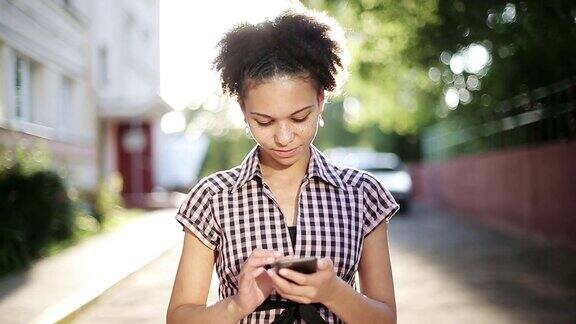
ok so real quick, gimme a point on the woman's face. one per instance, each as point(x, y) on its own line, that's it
point(282, 114)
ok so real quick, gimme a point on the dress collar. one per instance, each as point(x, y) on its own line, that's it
point(318, 166)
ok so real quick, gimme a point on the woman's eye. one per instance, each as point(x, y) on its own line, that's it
point(263, 124)
point(299, 120)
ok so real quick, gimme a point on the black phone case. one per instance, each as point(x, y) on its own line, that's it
point(305, 265)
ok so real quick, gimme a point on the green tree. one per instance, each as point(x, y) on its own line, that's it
point(385, 73)
point(417, 63)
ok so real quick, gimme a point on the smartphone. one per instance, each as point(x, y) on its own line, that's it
point(303, 265)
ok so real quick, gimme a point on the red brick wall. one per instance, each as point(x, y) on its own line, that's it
point(530, 190)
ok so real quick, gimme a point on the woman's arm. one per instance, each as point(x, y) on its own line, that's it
point(188, 300)
point(376, 283)
point(191, 286)
point(377, 305)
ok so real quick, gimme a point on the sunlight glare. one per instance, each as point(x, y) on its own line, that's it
point(189, 32)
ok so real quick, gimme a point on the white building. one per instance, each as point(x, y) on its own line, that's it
point(46, 94)
point(83, 77)
point(125, 50)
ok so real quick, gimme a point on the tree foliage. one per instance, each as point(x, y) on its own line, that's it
point(444, 65)
point(397, 46)
point(393, 88)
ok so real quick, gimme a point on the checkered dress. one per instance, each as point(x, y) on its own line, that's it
point(234, 212)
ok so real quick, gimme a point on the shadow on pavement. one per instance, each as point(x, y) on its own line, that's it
point(530, 281)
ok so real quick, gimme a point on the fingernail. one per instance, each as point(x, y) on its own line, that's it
point(270, 272)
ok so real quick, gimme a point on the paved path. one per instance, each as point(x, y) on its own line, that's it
point(56, 286)
point(143, 297)
point(446, 270)
point(449, 269)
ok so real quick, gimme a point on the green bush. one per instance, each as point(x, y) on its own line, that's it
point(108, 197)
point(35, 207)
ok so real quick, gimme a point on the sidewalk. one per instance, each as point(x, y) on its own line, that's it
point(447, 270)
point(56, 287)
point(451, 269)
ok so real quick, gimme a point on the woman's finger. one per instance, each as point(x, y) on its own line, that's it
point(258, 272)
point(325, 264)
point(295, 276)
point(284, 285)
point(252, 263)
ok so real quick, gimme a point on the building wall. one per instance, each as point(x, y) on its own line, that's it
point(105, 53)
point(125, 70)
point(529, 191)
point(53, 40)
point(128, 32)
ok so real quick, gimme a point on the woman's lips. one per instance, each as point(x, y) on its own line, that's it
point(285, 153)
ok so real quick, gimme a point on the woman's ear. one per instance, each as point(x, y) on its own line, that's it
point(321, 100)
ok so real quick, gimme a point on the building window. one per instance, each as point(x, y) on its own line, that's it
point(146, 49)
point(65, 105)
point(102, 66)
point(22, 89)
point(130, 25)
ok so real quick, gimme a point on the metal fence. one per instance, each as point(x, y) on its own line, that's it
point(545, 114)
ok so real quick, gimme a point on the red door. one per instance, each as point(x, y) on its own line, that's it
point(135, 160)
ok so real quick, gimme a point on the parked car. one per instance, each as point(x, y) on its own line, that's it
point(386, 167)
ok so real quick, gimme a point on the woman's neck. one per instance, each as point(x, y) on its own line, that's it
point(277, 173)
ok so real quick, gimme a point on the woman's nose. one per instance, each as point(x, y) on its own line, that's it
point(284, 134)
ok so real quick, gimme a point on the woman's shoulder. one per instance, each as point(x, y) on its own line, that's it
point(352, 177)
point(217, 181)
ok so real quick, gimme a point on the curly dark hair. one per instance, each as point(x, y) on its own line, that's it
point(296, 43)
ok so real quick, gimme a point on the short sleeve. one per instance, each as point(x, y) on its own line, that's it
point(379, 205)
point(195, 213)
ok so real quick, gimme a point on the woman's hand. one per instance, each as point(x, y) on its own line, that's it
point(318, 287)
point(254, 283)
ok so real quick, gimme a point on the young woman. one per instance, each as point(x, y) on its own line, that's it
point(286, 198)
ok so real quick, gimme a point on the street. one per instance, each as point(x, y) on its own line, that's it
point(446, 269)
